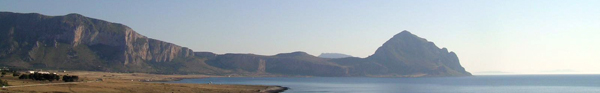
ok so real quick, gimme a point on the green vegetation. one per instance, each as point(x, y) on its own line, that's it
point(67, 78)
point(24, 76)
point(40, 77)
point(15, 74)
point(3, 83)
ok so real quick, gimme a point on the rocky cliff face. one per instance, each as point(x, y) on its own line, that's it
point(75, 42)
point(25, 34)
point(406, 53)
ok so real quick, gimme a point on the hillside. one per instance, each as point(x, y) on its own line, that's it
point(406, 53)
point(76, 42)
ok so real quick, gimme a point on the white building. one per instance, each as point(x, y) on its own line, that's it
point(41, 72)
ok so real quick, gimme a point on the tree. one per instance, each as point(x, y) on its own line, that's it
point(3, 73)
point(48, 77)
point(43, 77)
point(56, 77)
point(70, 78)
point(16, 74)
point(31, 76)
point(24, 76)
point(66, 78)
point(75, 78)
point(3, 83)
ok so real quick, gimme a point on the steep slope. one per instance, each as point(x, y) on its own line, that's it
point(333, 55)
point(407, 54)
point(77, 42)
point(295, 63)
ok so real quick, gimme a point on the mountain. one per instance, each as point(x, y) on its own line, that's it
point(333, 55)
point(76, 42)
point(406, 53)
point(294, 64)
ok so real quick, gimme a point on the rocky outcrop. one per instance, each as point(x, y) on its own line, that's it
point(73, 41)
point(138, 48)
point(408, 54)
point(112, 42)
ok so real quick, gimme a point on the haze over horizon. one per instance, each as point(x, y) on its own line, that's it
point(530, 37)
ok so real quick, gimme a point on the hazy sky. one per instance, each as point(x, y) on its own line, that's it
point(519, 37)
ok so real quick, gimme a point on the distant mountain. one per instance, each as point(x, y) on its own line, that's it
point(76, 42)
point(295, 63)
point(333, 55)
point(406, 54)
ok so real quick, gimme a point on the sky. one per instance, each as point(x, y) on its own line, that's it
point(489, 36)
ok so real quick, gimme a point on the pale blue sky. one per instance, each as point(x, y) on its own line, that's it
point(517, 36)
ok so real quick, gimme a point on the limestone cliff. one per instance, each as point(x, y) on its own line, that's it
point(24, 34)
point(408, 54)
point(76, 42)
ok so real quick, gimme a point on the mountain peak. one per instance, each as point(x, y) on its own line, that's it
point(407, 53)
point(405, 32)
point(75, 15)
point(297, 53)
point(334, 55)
point(83, 43)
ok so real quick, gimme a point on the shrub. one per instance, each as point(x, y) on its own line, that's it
point(24, 76)
point(3, 83)
point(40, 77)
point(16, 74)
point(70, 78)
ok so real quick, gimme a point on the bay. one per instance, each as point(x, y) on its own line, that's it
point(471, 84)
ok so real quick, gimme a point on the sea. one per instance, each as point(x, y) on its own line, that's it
point(469, 84)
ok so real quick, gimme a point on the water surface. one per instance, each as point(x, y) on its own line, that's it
point(473, 84)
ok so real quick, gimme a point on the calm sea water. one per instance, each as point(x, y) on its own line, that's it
point(474, 84)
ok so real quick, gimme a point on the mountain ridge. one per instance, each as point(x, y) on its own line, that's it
point(109, 41)
point(76, 42)
point(333, 55)
point(408, 52)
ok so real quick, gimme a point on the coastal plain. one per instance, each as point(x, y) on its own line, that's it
point(105, 82)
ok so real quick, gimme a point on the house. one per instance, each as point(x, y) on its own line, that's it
point(41, 72)
point(4, 69)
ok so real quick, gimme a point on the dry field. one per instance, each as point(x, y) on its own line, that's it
point(126, 83)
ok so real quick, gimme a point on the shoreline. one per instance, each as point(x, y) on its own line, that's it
point(174, 79)
point(274, 89)
point(269, 89)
